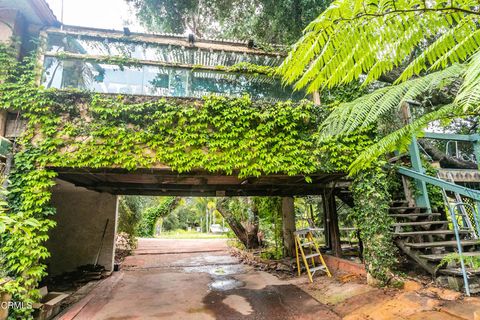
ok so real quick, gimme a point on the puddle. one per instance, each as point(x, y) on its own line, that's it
point(226, 284)
point(207, 260)
point(218, 270)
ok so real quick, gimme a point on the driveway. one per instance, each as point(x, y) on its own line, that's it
point(194, 279)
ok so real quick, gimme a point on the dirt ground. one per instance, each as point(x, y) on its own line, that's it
point(199, 279)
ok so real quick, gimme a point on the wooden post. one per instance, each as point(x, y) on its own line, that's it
point(288, 214)
point(3, 122)
point(316, 98)
point(332, 223)
point(326, 219)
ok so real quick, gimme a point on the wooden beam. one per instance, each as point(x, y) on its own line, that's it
point(174, 40)
point(136, 62)
point(288, 215)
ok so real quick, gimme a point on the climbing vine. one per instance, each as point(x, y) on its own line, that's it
point(150, 216)
point(372, 202)
point(237, 136)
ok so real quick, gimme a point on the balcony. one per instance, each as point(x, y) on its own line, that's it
point(171, 66)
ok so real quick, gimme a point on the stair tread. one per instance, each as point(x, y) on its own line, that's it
point(317, 268)
point(412, 215)
point(458, 271)
point(407, 208)
point(312, 255)
point(441, 244)
point(418, 223)
point(428, 232)
point(440, 256)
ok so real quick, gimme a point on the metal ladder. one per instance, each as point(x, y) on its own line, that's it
point(304, 240)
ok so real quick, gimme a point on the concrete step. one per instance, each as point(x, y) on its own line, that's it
point(428, 232)
point(420, 223)
point(438, 257)
point(437, 244)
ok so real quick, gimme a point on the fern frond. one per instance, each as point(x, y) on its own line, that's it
point(355, 37)
point(468, 97)
point(366, 110)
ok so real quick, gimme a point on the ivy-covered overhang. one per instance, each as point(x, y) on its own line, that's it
point(214, 146)
point(166, 182)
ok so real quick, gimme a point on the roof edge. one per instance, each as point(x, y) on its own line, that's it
point(44, 12)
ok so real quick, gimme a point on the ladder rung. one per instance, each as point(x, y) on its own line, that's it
point(306, 244)
point(317, 268)
point(313, 255)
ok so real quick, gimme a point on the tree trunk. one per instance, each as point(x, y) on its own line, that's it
point(246, 232)
point(288, 213)
point(445, 160)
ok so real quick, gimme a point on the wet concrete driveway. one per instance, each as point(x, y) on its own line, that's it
point(194, 279)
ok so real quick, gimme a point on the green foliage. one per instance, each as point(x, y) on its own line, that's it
point(270, 225)
point(372, 201)
point(146, 227)
point(130, 210)
point(81, 129)
point(219, 135)
point(420, 46)
point(455, 258)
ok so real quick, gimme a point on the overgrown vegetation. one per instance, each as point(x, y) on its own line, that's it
point(427, 52)
point(81, 129)
point(372, 202)
point(146, 227)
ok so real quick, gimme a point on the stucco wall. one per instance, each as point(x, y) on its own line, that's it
point(81, 217)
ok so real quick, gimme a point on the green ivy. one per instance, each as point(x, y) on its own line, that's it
point(372, 202)
point(146, 227)
point(234, 136)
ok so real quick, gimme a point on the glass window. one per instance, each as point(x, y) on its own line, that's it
point(159, 81)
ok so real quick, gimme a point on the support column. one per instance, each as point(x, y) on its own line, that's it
point(288, 214)
point(421, 198)
point(332, 223)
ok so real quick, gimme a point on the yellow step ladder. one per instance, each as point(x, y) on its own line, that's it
point(304, 240)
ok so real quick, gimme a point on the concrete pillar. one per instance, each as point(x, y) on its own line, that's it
point(288, 214)
point(81, 218)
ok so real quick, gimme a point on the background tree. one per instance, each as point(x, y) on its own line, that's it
point(266, 21)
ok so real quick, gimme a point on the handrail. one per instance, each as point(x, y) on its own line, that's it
point(467, 192)
point(452, 136)
point(460, 190)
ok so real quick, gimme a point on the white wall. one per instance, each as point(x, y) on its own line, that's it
point(81, 217)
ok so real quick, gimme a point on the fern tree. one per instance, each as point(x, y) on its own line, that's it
point(426, 45)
